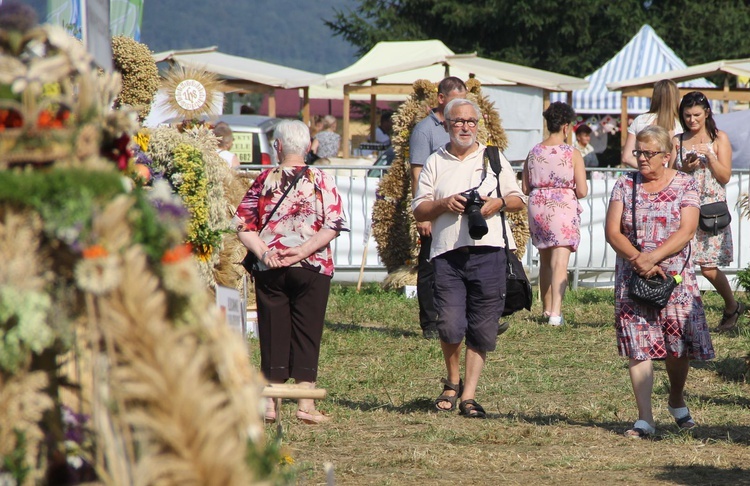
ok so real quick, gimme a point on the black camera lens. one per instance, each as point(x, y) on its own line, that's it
point(472, 206)
point(477, 224)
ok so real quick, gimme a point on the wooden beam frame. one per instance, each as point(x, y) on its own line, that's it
point(723, 94)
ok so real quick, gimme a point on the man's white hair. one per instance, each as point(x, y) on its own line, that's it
point(456, 102)
point(294, 137)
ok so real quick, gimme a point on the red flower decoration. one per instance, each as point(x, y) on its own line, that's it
point(177, 253)
point(120, 151)
point(94, 251)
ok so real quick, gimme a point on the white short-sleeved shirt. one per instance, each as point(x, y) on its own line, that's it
point(642, 121)
point(444, 175)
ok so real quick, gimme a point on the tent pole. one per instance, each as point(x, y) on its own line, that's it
point(545, 105)
point(306, 105)
point(725, 103)
point(272, 103)
point(373, 115)
point(347, 148)
point(623, 119)
point(569, 97)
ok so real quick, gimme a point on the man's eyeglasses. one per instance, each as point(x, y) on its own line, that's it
point(276, 145)
point(460, 122)
point(646, 153)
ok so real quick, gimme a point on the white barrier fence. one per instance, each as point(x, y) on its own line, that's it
point(592, 265)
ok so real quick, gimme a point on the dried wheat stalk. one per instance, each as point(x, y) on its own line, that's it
point(186, 392)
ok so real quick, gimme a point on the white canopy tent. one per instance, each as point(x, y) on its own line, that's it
point(241, 74)
point(392, 68)
point(646, 54)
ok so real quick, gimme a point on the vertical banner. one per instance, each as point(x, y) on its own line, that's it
point(96, 36)
point(126, 17)
point(66, 14)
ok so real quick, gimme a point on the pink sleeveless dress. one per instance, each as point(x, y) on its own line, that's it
point(554, 211)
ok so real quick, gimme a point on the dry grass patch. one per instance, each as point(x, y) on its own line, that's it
point(558, 401)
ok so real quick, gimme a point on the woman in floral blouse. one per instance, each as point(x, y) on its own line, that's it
point(295, 262)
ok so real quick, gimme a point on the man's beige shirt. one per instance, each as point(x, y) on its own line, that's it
point(444, 175)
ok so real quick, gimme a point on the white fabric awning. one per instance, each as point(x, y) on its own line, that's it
point(516, 74)
point(241, 68)
point(646, 54)
point(407, 61)
point(390, 58)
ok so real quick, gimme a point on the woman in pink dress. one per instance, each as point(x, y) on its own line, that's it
point(554, 178)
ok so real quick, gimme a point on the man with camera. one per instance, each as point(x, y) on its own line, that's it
point(457, 193)
point(429, 135)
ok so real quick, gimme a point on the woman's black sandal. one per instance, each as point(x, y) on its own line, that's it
point(448, 386)
point(471, 409)
point(729, 321)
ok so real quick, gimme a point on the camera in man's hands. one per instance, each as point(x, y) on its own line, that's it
point(472, 206)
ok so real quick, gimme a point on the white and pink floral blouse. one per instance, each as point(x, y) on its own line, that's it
point(311, 205)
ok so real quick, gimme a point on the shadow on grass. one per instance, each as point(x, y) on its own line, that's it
point(732, 433)
point(417, 405)
point(341, 327)
point(700, 475)
point(734, 401)
point(729, 369)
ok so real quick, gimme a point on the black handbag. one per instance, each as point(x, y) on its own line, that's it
point(250, 261)
point(654, 291)
point(518, 293)
point(714, 216)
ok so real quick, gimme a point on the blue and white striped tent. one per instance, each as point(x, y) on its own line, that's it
point(644, 55)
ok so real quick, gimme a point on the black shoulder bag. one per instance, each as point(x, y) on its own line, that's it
point(653, 291)
point(518, 294)
point(250, 260)
point(714, 216)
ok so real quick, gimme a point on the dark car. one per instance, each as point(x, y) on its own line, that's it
point(384, 160)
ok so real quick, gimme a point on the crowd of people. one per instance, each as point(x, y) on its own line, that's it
point(682, 163)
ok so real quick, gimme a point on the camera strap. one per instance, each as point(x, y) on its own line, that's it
point(492, 158)
point(492, 154)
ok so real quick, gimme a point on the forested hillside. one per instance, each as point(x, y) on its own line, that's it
point(287, 32)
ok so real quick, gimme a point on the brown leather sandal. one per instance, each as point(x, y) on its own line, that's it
point(448, 386)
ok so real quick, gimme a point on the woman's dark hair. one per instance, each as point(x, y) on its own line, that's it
point(558, 115)
point(584, 129)
point(696, 98)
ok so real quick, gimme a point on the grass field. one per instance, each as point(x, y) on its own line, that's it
point(558, 401)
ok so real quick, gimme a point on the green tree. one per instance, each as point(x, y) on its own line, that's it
point(574, 37)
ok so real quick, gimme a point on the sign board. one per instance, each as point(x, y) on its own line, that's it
point(243, 146)
point(96, 37)
point(232, 307)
